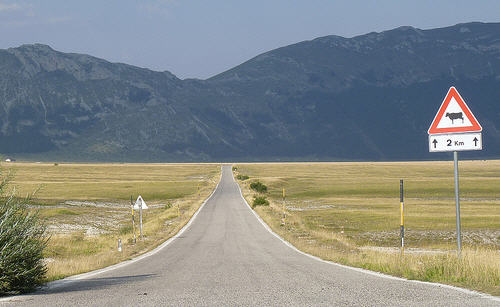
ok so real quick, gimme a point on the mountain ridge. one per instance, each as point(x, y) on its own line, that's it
point(330, 98)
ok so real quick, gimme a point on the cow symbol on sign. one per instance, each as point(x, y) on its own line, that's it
point(454, 116)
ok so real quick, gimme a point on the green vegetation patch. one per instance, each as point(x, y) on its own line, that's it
point(260, 201)
point(350, 213)
point(23, 240)
point(258, 187)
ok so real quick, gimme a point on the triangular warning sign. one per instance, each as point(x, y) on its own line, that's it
point(140, 203)
point(454, 116)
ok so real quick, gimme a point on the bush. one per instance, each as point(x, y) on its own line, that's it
point(235, 168)
point(260, 201)
point(242, 177)
point(258, 187)
point(22, 241)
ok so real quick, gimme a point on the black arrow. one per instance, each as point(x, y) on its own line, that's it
point(434, 142)
point(475, 141)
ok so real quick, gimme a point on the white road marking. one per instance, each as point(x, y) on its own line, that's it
point(467, 291)
point(59, 283)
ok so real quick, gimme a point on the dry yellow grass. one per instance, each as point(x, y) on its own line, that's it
point(87, 207)
point(349, 213)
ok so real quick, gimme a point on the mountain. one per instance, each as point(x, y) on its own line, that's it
point(370, 97)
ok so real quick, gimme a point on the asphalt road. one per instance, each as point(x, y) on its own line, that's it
point(227, 257)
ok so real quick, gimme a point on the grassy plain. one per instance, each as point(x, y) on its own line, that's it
point(87, 207)
point(350, 213)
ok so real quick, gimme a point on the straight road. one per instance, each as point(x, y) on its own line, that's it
point(227, 257)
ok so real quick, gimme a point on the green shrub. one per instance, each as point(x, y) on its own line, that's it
point(167, 206)
point(260, 201)
point(235, 168)
point(22, 241)
point(242, 177)
point(258, 187)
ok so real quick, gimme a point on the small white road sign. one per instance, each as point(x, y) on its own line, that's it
point(140, 203)
point(455, 142)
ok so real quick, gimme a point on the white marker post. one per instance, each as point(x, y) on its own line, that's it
point(455, 128)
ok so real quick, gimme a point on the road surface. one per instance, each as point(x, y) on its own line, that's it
point(227, 257)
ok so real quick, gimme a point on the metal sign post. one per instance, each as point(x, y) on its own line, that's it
point(140, 218)
point(133, 219)
point(140, 205)
point(455, 128)
point(457, 203)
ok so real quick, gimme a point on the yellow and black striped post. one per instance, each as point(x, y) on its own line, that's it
point(401, 199)
point(284, 213)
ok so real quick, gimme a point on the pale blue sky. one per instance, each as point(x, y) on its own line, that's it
point(201, 38)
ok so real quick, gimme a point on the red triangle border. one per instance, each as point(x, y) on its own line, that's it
point(453, 93)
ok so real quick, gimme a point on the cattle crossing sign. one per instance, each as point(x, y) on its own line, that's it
point(455, 128)
point(454, 116)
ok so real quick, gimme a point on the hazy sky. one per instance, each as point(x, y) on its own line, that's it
point(201, 38)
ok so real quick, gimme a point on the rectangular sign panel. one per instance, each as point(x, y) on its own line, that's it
point(455, 142)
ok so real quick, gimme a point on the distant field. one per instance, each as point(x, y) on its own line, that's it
point(103, 182)
point(350, 213)
point(87, 207)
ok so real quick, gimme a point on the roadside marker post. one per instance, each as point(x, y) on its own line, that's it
point(401, 200)
point(455, 128)
point(284, 213)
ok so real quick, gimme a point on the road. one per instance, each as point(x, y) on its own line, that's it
point(227, 257)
